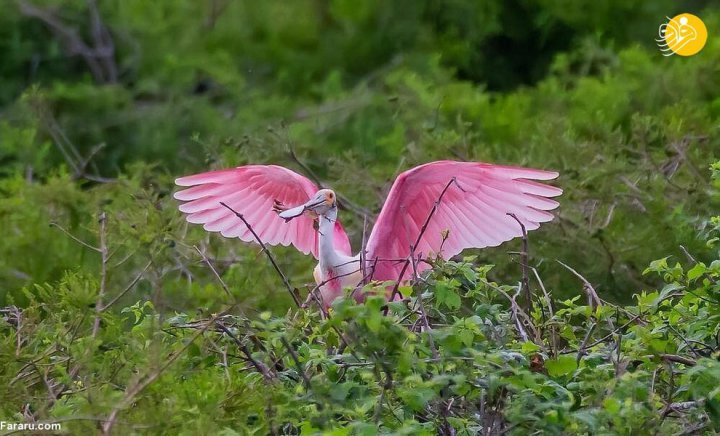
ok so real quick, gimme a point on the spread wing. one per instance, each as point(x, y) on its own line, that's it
point(473, 212)
point(251, 191)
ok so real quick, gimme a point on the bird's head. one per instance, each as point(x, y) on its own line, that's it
point(323, 202)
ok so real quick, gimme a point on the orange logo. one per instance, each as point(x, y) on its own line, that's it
point(684, 34)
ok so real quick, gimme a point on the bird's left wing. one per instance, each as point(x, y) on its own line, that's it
point(473, 212)
point(251, 191)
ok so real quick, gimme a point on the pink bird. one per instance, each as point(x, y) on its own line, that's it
point(436, 209)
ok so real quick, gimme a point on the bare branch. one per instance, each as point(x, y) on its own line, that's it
point(423, 229)
point(295, 359)
point(104, 256)
point(267, 252)
point(214, 271)
point(71, 236)
point(593, 299)
point(527, 295)
point(127, 288)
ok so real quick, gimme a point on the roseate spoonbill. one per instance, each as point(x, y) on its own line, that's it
point(472, 203)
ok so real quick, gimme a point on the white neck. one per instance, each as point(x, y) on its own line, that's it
point(327, 255)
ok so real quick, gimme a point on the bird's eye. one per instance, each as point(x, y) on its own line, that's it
point(331, 196)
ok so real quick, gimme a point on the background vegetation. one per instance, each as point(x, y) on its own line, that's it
point(114, 318)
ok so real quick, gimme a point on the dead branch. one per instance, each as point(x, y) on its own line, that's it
point(100, 58)
point(548, 301)
point(74, 238)
point(214, 271)
point(678, 359)
point(527, 295)
point(594, 300)
point(268, 253)
point(103, 248)
point(295, 359)
point(423, 313)
point(127, 288)
point(259, 366)
point(423, 229)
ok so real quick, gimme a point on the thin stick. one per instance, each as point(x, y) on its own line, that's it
point(593, 297)
point(267, 252)
point(214, 271)
point(363, 254)
point(261, 368)
point(423, 313)
point(74, 238)
point(127, 288)
point(548, 300)
point(527, 295)
point(583, 345)
point(423, 229)
point(103, 273)
point(295, 359)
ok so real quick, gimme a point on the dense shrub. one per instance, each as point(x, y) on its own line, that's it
point(459, 354)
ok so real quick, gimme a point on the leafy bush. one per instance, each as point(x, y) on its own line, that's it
point(459, 354)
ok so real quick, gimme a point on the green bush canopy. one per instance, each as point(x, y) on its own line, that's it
point(116, 316)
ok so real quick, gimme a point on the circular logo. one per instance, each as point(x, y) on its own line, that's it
point(684, 34)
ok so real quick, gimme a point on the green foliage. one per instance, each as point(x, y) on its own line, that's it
point(425, 367)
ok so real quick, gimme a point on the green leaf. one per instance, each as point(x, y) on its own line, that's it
point(563, 365)
point(446, 295)
point(529, 347)
point(405, 291)
point(696, 271)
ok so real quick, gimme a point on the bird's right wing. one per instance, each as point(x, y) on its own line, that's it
point(473, 212)
point(251, 191)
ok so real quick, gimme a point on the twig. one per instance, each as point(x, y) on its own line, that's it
point(601, 340)
point(127, 288)
point(214, 271)
point(678, 359)
point(71, 236)
point(103, 273)
point(268, 253)
point(517, 313)
point(527, 295)
point(593, 299)
point(548, 300)
point(423, 229)
point(363, 254)
point(583, 345)
point(385, 387)
point(423, 313)
point(261, 368)
point(295, 359)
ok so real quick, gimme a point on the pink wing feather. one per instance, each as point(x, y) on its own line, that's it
point(474, 214)
point(251, 191)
